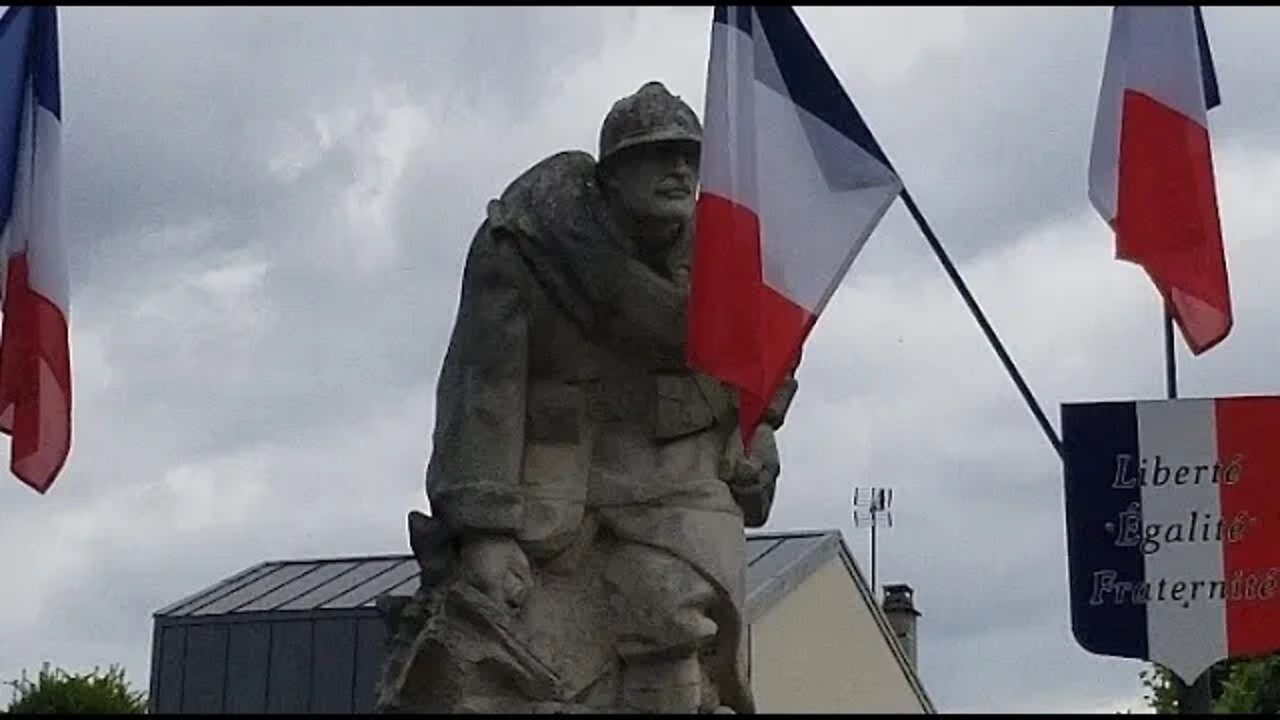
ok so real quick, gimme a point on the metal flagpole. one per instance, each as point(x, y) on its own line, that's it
point(982, 321)
point(1196, 698)
point(1170, 360)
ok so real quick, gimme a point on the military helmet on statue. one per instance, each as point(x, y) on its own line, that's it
point(650, 115)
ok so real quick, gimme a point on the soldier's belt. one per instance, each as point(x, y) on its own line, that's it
point(621, 399)
point(670, 405)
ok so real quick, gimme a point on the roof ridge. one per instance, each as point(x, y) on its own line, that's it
point(774, 534)
point(225, 586)
point(760, 535)
point(877, 612)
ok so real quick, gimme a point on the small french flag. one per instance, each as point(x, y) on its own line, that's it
point(35, 358)
point(792, 185)
point(1151, 174)
point(1173, 531)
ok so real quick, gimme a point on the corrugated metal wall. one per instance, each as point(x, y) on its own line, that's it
point(303, 662)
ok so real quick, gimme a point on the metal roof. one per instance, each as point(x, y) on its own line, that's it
point(776, 562)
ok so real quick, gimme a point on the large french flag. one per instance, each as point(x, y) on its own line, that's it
point(35, 363)
point(792, 185)
point(1151, 174)
point(1173, 528)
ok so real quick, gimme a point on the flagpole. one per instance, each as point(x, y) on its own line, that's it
point(982, 321)
point(1196, 698)
point(1170, 360)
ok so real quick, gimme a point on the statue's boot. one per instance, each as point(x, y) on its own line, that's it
point(663, 686)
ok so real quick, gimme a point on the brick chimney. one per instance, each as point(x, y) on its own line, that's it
point(900, 610)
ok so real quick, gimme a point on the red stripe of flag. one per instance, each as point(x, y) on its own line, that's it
point(1245, 428)
point(1167, 216)
point(35, 380)
point(724, 332)
point(740, 330)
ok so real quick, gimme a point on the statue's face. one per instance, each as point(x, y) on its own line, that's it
point(658, 181)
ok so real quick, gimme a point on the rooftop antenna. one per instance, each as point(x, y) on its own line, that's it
point(871, 509)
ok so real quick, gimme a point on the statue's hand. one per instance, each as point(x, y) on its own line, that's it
point(776, 413)
point(498, 567)
point(750, 471)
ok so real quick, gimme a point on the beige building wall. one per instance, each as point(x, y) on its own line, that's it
point(820, 649)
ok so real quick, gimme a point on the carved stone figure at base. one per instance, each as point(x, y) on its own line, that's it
point(589, 492)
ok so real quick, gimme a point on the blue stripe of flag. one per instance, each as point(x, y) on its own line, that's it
point(1093, 436)
point(28, 49)
point(48, 86)
point(1212, 98)
point(810, 82)
point(15, 42)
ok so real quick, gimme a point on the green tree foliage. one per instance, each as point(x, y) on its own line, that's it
point(1161, 694)
point(1252, 686)
point(1237, 686)
point(58, 692)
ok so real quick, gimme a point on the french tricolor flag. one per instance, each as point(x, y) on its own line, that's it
point(1173, 528)
point(792, 185)
point(1151, 171)
point(35, 362)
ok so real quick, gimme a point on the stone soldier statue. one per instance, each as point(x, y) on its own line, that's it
point(588, 490)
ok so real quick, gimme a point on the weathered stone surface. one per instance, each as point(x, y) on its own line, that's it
point(589, 491)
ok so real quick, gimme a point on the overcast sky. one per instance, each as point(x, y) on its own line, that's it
point(267, 213)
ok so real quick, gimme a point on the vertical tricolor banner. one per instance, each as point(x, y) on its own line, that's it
point(1173, 528)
